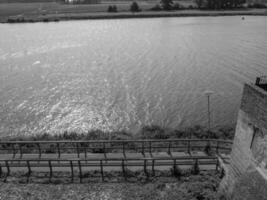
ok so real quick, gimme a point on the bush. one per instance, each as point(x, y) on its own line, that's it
point(115, 9)
point(153, 132)
point(112, 8)
point(16, 20)
point(156, 8)
point(191, 7)
point(134, 7)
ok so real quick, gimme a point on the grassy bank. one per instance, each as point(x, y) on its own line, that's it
point(53, 11)
point(188, 187)
point(147, 132)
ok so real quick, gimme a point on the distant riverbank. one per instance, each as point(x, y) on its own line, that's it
point(54, 17)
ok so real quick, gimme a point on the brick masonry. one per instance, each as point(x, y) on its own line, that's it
point(246, 177)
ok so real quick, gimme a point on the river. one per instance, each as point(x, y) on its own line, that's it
point(124, 74)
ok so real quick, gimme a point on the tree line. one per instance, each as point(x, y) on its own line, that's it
point(219, 4)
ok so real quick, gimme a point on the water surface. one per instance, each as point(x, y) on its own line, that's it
point(123, 74)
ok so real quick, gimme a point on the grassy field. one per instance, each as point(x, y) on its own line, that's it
point(55, 11)
point(28, 9)
point(187, 187)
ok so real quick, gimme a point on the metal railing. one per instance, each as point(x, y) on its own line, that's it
point(100, 164)
point(21, 148)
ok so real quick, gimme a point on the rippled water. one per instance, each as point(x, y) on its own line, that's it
point(123, 74)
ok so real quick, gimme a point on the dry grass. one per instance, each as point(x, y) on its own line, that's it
point(203, 186)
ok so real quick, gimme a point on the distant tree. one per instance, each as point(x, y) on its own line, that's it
point(134, 7)
point(110, 9)
point(176, 6)
point(115, 8)
point(166, 4)
point(156, 8)
point(199, 3)
point(224, 4)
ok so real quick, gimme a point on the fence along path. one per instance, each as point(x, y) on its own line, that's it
point(106, 155)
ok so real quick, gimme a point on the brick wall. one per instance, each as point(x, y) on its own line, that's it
point(249, 151)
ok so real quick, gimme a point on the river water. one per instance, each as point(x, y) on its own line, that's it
point(124, 74)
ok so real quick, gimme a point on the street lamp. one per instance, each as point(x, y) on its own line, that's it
point(208, 93)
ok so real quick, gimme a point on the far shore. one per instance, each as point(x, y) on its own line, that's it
point(55, 17)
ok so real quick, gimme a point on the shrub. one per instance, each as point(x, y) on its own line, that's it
point(9, 20)
point(16, 20)
point(134, 7)
point(112, 8)
point(115, 8)
point(156, 8)
point(257, 5)
point(191, 7)
point(153, 132)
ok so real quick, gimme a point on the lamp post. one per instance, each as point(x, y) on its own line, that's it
point(208, 93)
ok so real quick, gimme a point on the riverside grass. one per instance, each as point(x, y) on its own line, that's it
point(146, 132)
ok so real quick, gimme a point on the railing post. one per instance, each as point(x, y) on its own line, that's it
point(123, 169)
point(169, 148)
point(189, 147)
point(150, 150)
point(102, 171)
point(20, 149)
point(153, 167)
point(72, 173)
point(123, 148)
point(39, 149)
point(145, 169)
point(51, 170)
point(217, 147)
point(1, 171)
point(8, 170)
point(58, 150)
point(29, 170)
point(80, 170)
point(85, 150)
point(104, 150)
point(143, 149)
point(174, 167)
point(217, 164)
point(77, 149)
point(14, 151)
